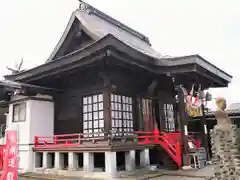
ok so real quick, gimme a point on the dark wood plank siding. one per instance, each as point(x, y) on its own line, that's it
point(164, 97)
point(68, 105)
point(68, 113)
point(129, 82)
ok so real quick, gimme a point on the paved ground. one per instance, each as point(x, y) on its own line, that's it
point(204, 172)
point(141, 174)
point(165, 177)
point(193, 174)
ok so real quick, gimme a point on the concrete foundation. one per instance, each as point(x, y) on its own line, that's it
point(72, 161)
point(144, 158)
point(38, 160)
point(88, 162)
point(47, 160)
point(58, 162)
point(130, 163)
point(43, 163)
point(111, 164)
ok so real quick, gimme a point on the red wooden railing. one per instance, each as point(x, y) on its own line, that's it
point(171, 142)
point(177, 136)
point(66, 140)
point(1, 156)
point(156, 137)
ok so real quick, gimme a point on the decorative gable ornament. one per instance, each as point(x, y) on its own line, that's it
point(85, 7)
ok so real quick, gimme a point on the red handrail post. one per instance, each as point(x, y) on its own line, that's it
point(156, 136)
point(55, 140)
point(35, 141)
point(156, 132)
point(198, 144)
point(178, 153)
point(146, 140)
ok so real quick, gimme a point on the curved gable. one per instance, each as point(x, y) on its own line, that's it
point(96, 25)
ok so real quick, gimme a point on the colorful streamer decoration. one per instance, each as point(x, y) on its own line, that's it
point(193, 105)
point(193, 111)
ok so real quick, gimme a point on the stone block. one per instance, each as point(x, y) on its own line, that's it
point(226, 155)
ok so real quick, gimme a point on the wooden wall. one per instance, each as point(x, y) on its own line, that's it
point(76, 85)
point(68, 105)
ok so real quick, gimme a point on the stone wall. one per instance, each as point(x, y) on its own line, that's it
point(226, 156)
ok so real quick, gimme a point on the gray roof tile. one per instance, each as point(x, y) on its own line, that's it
point(234, 108)
point(98, 23)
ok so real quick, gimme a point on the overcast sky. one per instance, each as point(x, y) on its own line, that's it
point(30, 29)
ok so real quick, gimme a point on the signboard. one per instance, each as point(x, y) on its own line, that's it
point(10, 156)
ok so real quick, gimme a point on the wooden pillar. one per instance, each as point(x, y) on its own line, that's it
point(107, 111)
point(183, 126)
point(204, 133)
point(139, 115)
point(106, 98)
point(176, 116)
point(175, 105)
point(152, 118)
point(161, 112)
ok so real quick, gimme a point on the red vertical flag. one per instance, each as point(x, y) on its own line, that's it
point(10, 164)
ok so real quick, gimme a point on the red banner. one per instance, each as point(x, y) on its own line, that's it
point(10, 164)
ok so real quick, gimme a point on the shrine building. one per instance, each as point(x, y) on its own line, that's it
point(106, 101)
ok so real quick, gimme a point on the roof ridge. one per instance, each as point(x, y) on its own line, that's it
point(92, 10)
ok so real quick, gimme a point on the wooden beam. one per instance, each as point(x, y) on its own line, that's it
point(106, 79)
point(215, 80)
point(175, 70)
point(161, 112)
point(151, 91)
point(106, 98)
point(126, 59)
point(107, 111)
point(183, 124)
point(152, 87)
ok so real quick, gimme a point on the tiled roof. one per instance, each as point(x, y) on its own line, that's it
point(99, 24)
point(19, 85)
point(234, 108)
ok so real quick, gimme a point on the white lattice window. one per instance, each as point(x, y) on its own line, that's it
point(169, 117)
point(93, 121)
point(122, 115)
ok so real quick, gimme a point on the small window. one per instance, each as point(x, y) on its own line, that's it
point(93, 121)
point(19, 112)
point(121, 114)
point(169, 117)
